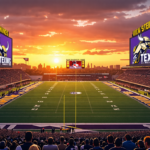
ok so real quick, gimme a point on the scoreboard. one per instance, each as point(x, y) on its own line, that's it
point(75, 63)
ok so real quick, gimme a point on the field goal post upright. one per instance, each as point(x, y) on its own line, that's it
point(75, 97)
point(56, 73)
point(64, 113)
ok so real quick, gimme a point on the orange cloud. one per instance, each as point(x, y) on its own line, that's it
point(81, 23)
point(60, 14)
point(97, 41)
point(50, 34)
point(115, 17)
point(18, 53)
point(6, 17)
point(99, 52)
point(45, 16)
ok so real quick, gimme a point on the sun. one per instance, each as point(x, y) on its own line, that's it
point(56, 60)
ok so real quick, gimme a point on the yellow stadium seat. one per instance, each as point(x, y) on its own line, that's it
point(140, 97)
point(2, 102)
point(147, 102)
point(144, 100)
point(6, 99)
point(14, 95)
point(21, 92)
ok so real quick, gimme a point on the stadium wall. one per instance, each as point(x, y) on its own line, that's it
point(78, 77)
point(36, 77)
point(114, 77)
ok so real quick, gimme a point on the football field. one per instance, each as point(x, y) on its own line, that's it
point(95, 102)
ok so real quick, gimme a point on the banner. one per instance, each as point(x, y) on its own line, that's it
point(26, 59)
point(5, 51)
point(140, 49)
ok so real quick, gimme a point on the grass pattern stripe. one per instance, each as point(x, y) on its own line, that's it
point(60, 98)
point(87, 97)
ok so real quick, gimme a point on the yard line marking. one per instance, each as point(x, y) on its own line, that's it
point(37, 106)
point(102, 93)
point(60, 98)
point(116, 109)
point(71, 96)
point(87, 97)
point(113, 106)
point(103, 116)
point(33, 109)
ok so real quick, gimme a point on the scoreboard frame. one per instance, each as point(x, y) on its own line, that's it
point(80, 62)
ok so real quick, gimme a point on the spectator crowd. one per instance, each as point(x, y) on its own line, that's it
point(8, 76)
point(19, 140)
point(135, 79)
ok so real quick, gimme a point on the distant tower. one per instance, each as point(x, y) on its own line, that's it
point(39, 66)
point(91, 65)
point(44, 65)
point(117, 67)
point(111, 67)
point(88, 66)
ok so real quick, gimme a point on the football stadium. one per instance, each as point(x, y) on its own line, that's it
point(63, 88)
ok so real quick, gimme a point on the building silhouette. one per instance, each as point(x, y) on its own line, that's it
point(88, 66)
point(34, 67)
point(117, 67)
point(40, 67)
point(21, 66)
point(48, 67)
point(111, 67)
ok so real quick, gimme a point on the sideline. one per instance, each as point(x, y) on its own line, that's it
point(144, 100)
point(21, 91)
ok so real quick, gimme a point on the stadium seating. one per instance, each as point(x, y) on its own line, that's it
point(136, 79)
point(40, 139)
point(8, 76)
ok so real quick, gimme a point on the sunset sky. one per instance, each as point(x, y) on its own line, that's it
point(95, 30)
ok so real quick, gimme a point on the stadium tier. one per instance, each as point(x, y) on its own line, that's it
point(12, 77)
point(138, 79)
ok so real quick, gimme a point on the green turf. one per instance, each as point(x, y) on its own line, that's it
point(91, 106)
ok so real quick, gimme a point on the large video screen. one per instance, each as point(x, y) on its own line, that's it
point(5, 51)
point(75, 63)
point(140, 49)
